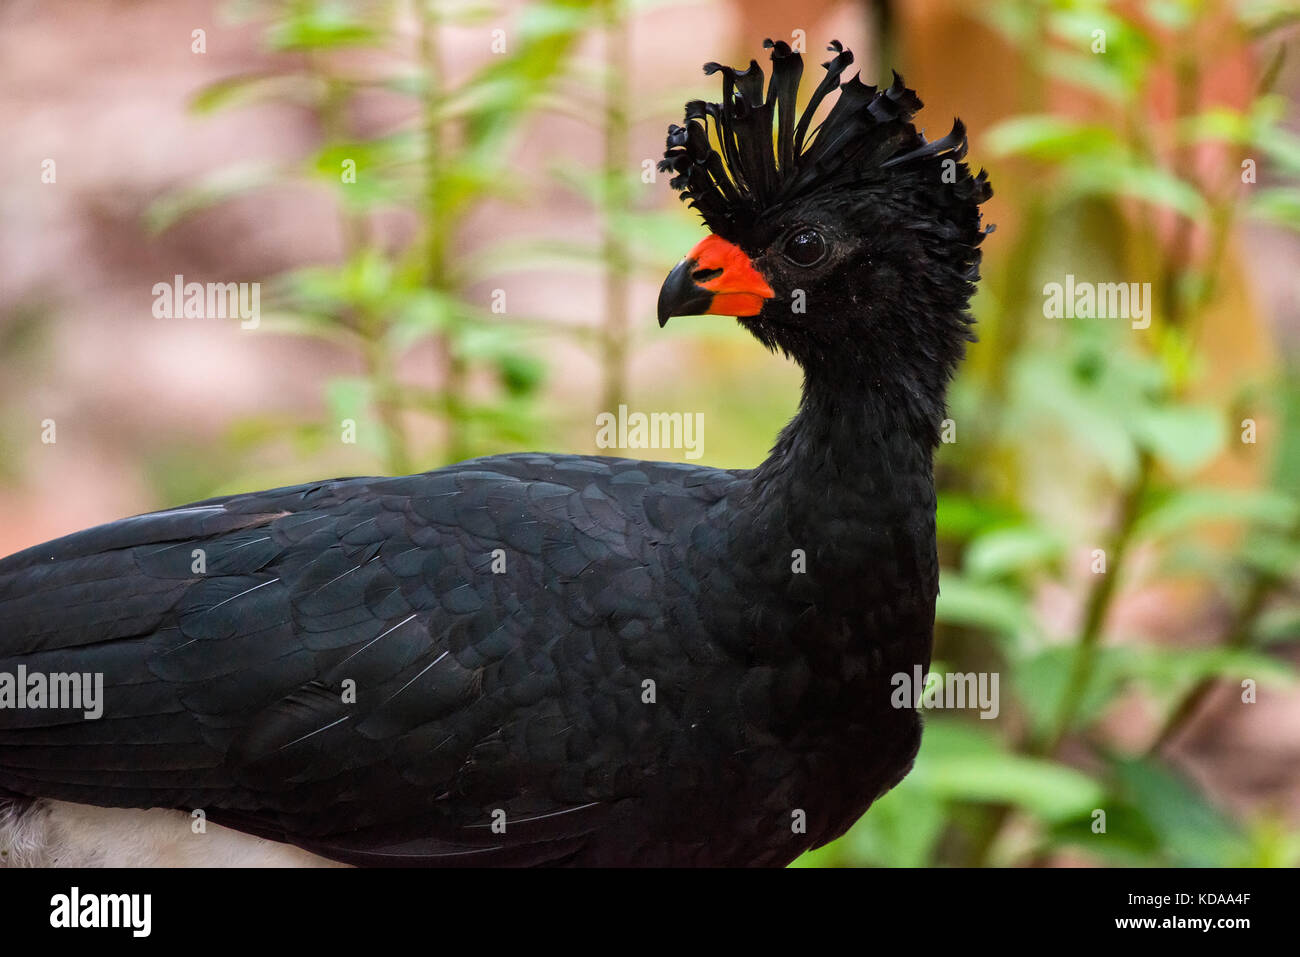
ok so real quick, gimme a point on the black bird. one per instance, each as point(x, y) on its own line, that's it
point(556, 659)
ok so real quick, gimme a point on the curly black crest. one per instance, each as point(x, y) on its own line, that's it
point(866, 136)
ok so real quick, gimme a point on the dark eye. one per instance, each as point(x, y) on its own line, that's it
point(805, 248)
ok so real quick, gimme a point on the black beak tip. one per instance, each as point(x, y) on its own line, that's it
point(680, 296)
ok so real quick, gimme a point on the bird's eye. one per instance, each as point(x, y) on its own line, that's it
point(805, 248)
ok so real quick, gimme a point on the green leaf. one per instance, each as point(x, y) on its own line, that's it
point(351, 397)
point(1197, 506)
point(1050, 137)
point(321, 25)
point(1273, 843)
point(1277, 625)
point(1274, 555)
point(348, 396)
point(948, 737)
point(1281, 146)
point(422, 313)
point(1009, 550)
point(1167, 670)
point(297, 88)
point(1279, 205)
point(487, 341)
point(212, 190)
point(902, 830)
point(996, 608)
point(1039, 682)
point(522, 375)
point(960, 517)
point(284, 322)
point(1119, 72)
point(379, 171)
point(1172, 14)
point(1189, 829)
point(1092, 72)
point(1182, 437)
point(1055, 397)
point(1133, 179)
point(1128, 840)
point(1043, 788)
point(1219, 124)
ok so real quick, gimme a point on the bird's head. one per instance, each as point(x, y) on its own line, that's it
point(853, 247)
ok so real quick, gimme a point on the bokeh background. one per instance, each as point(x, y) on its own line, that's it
point(1119, 513)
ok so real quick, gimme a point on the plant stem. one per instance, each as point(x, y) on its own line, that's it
point(1091, 630)
point(452, 373)
point(371, 329)
point(615, 253)
point(387, 399)
point(1097, 608)
point(1261, 588)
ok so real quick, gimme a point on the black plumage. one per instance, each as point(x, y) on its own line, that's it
point(622, 662)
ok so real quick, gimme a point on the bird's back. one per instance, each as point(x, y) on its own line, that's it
point(505, 653)
point(522, 659)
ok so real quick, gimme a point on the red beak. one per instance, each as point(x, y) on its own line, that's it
point(715, 278)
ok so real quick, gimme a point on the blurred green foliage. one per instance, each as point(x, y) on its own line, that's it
point(452, 151)
point(455, 150)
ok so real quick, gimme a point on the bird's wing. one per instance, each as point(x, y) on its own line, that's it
point(383, 670)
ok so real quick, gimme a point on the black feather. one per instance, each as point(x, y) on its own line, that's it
point(765, 157)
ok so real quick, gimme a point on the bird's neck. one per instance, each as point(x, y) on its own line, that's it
point(837, 530)
point(850, 481)
point(854, 441)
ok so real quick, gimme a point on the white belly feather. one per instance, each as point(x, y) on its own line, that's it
point(57, 834)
